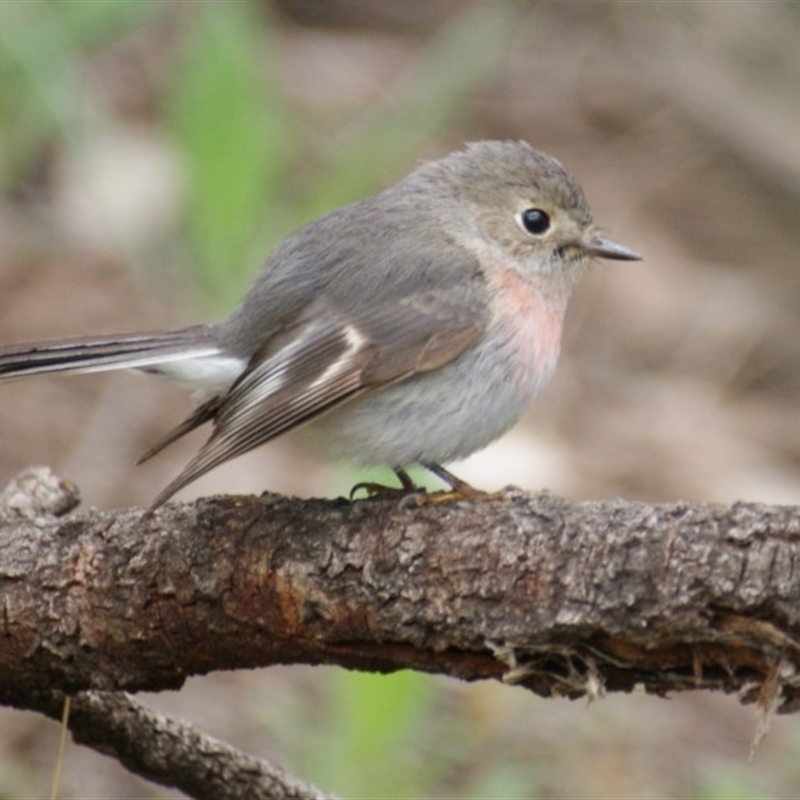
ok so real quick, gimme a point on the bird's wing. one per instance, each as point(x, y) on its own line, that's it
point(327, 358)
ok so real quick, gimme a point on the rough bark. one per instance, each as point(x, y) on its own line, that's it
point(171, 752)
point(561, 597)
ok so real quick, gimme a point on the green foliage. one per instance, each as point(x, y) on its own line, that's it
point(728, 783)
point(41, 97)
point(234, 135)
point(95, 22)
point(373, 722)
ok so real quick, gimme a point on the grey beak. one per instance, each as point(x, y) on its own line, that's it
point(602, 246)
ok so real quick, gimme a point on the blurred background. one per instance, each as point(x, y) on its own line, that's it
point(151, 154)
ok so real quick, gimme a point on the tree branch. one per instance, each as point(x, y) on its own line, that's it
point(171, 752)
point(563, 598)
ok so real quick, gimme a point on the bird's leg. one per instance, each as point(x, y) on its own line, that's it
point(412, 495)
point(459, 490)
point(407, 486)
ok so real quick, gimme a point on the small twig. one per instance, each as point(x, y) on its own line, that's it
point(172, 752)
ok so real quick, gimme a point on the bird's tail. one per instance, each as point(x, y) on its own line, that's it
point(99, 353)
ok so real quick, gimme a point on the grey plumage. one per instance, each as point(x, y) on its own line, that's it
point(413, 326)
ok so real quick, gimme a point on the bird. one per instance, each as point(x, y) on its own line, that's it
point(412, 327)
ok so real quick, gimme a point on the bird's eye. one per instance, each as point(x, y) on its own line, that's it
point(535, 221)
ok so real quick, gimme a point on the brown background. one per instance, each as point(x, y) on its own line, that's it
point(679, 376)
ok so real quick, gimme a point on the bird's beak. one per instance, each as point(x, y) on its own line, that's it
point(602, 246)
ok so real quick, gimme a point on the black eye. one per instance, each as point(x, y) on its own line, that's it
point(535, 221)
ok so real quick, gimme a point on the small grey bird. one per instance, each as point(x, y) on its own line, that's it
point(412, 327)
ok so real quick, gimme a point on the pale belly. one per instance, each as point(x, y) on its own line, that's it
point(451, 412)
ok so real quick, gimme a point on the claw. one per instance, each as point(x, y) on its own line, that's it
point(459, 490)
point(412, 495)
point(462, 492)
point(376, 490)
point(407, 487)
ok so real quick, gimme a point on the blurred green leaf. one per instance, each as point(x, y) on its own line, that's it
point(724, 781)
point(91, 22)
point(231, 127)
point(35, 81)
point(41, 98)
point(375, 720)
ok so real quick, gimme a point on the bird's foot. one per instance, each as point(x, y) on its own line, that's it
point(459, 490)
point(406, 489)
point(411, 495)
